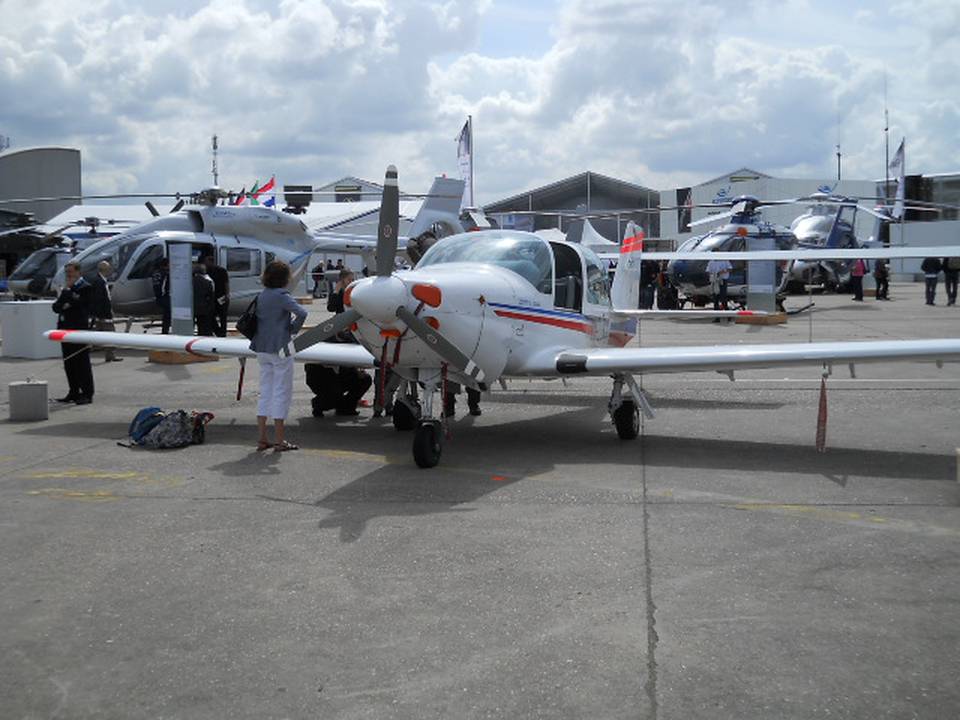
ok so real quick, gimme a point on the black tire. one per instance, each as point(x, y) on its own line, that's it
point(626, 418)
point(427, 444)
point(404, 418)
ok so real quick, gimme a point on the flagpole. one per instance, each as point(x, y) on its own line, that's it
point(473, 197)
point(886, 141)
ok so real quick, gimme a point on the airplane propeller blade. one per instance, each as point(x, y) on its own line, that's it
point(389, 223)
point(443, 347)
point(327, 329)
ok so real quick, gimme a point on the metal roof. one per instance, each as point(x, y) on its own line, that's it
point(571, 186)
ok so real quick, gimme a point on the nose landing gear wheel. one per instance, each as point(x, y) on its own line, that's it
point(427, 444)
point(626, 418)
point(405, 417)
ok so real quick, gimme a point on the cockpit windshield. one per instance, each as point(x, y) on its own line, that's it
point(529, 257)
point(117, 251)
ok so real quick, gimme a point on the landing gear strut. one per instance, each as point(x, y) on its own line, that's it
point(406, 409)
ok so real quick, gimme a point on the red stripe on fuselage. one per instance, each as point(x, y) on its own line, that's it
point(58, 335)
point(585, 328)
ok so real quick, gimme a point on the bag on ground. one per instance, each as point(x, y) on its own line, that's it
point(156, 429)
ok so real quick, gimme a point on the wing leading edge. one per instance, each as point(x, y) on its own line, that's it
point(340, 354)
point(604, 361)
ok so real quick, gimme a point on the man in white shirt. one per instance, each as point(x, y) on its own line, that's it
point(719, 271)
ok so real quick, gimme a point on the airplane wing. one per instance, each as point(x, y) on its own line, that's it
point(887, 253)
point(340, 354)
point(725, 358)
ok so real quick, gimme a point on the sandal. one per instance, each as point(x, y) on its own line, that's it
point(263, 445)
point(285, 446)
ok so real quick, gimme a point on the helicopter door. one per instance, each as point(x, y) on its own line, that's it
point(243, 265)
point(738, 274)
point(132, 293)
point(568, 277)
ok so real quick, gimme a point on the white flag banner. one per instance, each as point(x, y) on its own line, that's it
point(898, 167)
point(465, 161)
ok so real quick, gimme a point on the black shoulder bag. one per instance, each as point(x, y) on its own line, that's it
point(247, 322)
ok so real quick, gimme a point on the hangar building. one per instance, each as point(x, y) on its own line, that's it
point(39, 172)
point(590, 192)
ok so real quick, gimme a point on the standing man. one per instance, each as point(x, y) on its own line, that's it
point(951, 274)
point(931, 267)
point(161, 293)
point(221, 292)
point(881, 273)
point(204, 304)
point(719, 271)
point(100, 308)
point(335, 300)
point(73, 313)
point(856, 279)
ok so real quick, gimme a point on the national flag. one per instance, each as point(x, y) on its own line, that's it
point(465, 161)
point(254, 192)
point(241, 197)
point(898, 167)
point(267, 187)
point(270, 202)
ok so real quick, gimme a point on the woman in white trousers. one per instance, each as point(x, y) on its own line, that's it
point(279, 318)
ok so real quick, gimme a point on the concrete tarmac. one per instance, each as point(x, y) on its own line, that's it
point(717, 567)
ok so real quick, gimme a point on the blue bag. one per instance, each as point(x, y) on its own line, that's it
point(143, 422)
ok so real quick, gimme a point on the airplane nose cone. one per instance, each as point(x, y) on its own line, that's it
point(378, 298)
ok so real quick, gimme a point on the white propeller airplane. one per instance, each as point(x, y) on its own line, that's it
point(488, 305)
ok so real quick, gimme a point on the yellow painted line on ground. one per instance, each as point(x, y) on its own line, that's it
point(81, 495)
point(7, 458)
point(86, 475)
point(215, 369)
point(846, 517)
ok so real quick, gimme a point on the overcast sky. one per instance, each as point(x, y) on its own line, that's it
point(659, 93)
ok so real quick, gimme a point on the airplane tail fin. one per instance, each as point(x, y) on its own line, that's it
point(442, 206)
point(625, 292)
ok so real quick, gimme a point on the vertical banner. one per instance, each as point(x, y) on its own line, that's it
point(761, 277)
point(181, 287)
point(898, 167)
point(465, 162)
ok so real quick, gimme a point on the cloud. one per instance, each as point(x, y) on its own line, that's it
point(660, 94)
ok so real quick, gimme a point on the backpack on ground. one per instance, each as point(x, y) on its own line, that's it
point(153, 428)
point(143, 422)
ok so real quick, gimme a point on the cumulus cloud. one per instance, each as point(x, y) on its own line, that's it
point(659, 93)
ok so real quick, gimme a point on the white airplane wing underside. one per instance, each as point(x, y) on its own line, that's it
point(339, 354)
point(723, 358)
point(888, 253)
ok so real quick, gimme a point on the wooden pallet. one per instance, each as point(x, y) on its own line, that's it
point(773, 319)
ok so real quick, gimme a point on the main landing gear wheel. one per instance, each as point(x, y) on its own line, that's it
point(405, 417)
point(427, 444)
point(627, 420)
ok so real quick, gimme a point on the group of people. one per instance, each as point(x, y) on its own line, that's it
point(931, 268)
point(211, 296)
point(321, 286)
point(82, 305)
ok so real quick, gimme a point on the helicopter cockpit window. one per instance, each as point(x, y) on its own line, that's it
point(147, 263)
point(42, 263)
point(528, 257)
point(116, 251)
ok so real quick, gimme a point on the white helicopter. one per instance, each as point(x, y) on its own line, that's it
point(243, 239)
point(494, 304)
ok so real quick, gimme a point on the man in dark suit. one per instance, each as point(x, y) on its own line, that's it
point(221, 292)
point(204, 304)
point(100, 308)
point(161, 292)
point(73, 313)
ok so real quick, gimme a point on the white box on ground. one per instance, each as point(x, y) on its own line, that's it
point(28, 401)
point(22, 325)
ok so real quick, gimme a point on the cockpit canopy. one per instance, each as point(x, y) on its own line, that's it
point(527, 256)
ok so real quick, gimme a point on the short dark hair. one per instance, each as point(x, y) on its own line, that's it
point(276, 274)
point(345, 273)
point(74, 264)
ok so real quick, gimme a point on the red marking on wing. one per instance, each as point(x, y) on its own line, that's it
point(58, 335)
point(189, 347)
